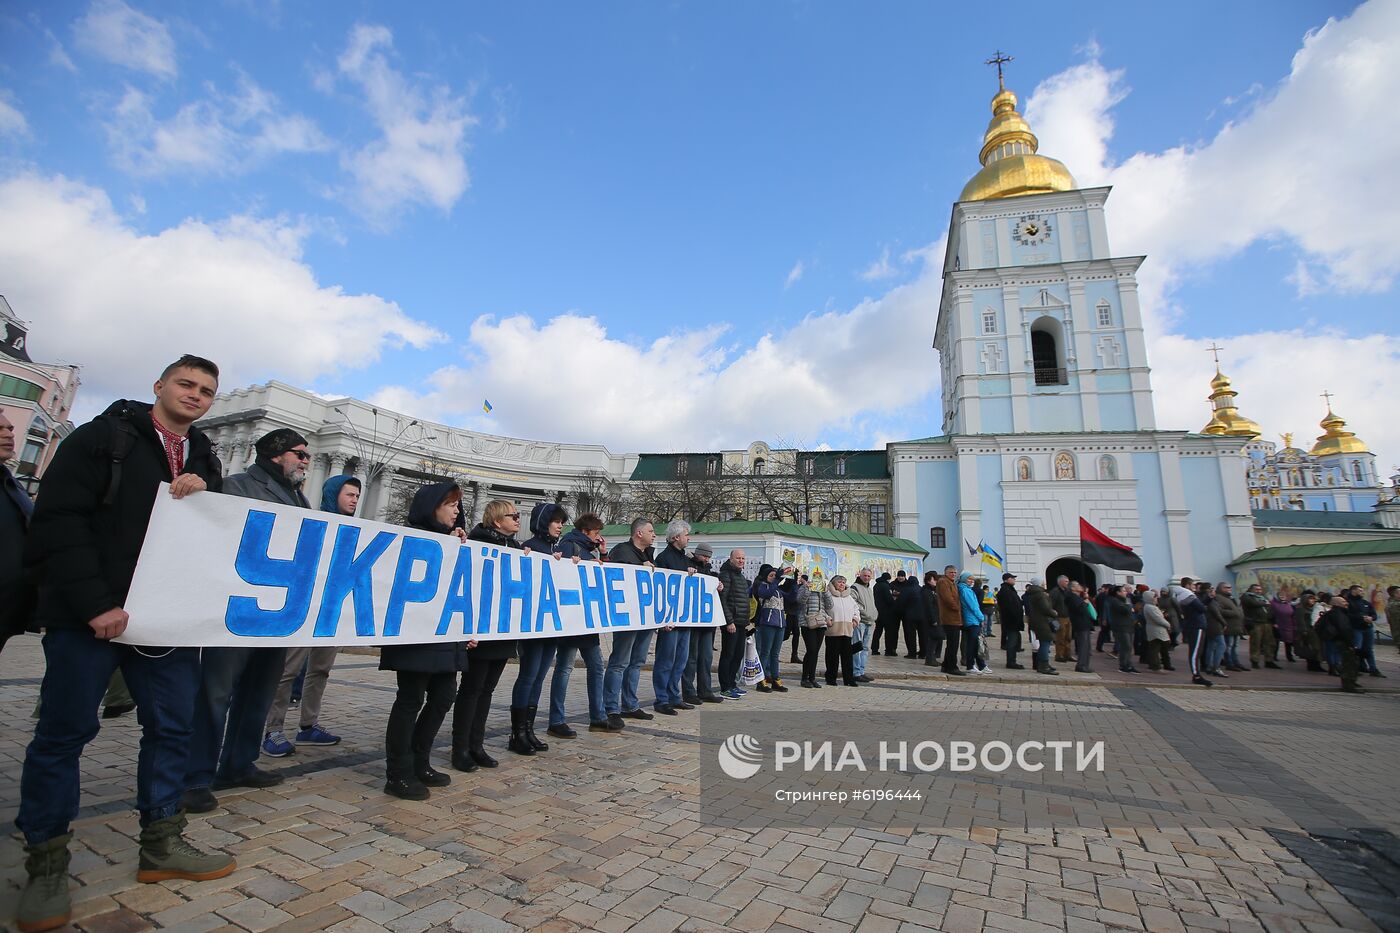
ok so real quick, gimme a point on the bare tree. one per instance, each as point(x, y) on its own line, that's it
point(405, 483)
point(804, 487)
point(598, 493)
point(707, 499)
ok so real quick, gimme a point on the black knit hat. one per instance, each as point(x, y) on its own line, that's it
point(275, 443)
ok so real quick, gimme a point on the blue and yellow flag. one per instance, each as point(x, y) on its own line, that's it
point(990, 556)
point(486, 406)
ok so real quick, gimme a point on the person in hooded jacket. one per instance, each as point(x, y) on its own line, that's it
point(769, 635)
point(537, 654)
point(972, 619)
point(500, 522)
point(584, 542)
point(340, 495)
point(427, 673)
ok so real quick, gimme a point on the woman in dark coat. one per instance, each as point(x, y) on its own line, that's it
point(536, 654)
point(499, 524)
point(427, 671)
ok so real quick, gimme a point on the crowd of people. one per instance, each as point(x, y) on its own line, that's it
point(207, 716)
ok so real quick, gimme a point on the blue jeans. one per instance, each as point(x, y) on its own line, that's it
point(861, 633)
point(769, 642)
point(1232, 650)
point(559, 687)
point(79, 665)
point(1366, 649)
point(697, 681)
point(1215, 652)
point(535, 657)
point(672, 649)
point(237, 686)
point(629, 650)
point(1042, 653)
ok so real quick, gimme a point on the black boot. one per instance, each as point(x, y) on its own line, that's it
point(429, 777)
point(519, 742)
point(530, 713)
point(463, 761)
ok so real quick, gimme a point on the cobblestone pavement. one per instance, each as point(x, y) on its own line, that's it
point(1274, 810)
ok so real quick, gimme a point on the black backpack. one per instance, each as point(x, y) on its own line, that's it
point(121, 438)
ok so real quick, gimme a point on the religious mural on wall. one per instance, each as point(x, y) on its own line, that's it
point(1319, 577)
point(821, 563)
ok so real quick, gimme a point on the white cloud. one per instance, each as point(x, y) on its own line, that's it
point(223, 133)
point(1307, 166)
point(794, 274)
point(116, 33)
point(822, 375)
point(122, 304)
point(12, 121)
point(880, 268)
point(420, 157)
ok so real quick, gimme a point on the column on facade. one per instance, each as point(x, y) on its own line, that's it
point(315, 478)
point(483, 496)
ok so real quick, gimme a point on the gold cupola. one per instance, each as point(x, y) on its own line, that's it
point(1225, 419)
point(1010, 163)
point(1336, 440)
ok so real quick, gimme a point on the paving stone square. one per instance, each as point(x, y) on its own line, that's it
point(1231, 809)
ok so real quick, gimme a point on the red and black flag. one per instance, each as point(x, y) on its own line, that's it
point(1095, 547)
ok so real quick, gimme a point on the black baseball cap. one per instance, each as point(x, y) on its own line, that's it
point(1007, 576)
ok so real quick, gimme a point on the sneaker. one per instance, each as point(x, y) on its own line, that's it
point(637, 713)
point(764, 688)
point(45, 903)
point(1198, 679)
point(778, 686)
point(275, 745)
point(733, 694)
point(316, 736)
point(741, 691)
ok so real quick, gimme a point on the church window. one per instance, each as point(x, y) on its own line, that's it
point(1105, 312)
point(937, 538)
point(877, 519)
point(989, 322)
point(1023, 469)
point(1046, 353)
point(1108, 467)
point(1358, 471)
point(1064, 465)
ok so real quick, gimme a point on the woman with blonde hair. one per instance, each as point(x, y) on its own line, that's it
point(843, 612)
point(499, 524)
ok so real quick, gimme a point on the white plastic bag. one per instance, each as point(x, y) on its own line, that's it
point(752, 672)
point(1035, 642)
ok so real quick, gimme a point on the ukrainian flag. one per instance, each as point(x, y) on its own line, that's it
point(486, 406)
point(990, 556)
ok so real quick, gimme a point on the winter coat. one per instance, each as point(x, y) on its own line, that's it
point(1226, 613)
point(911, 604)
point(1013, 614)
point(539, 541)
point(576, 543)
point(1255, 607)
point(81, 552)
point(1118, 613)
point(1335, 625)
point(971, 612)
point(16, 593)
point(1057, 600)
point(673, 558)
point(1040, 611)
point(865, 599)
point(949, 603)
point(438, 657)
point(735, 598)
point(628, 553)
point(1283, 620)
point(1157, 627)
point(1078, 608)
point(884, 597)
point(1193, 611)
point(770, 599)
point(258, 483)
point(494, 650)
point(1361, 612)
point(817, 611)
point(845, 613)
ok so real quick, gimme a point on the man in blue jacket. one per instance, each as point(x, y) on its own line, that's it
point(340, 495)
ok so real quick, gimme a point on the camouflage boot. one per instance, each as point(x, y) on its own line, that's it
point(44, 905)
point(165, 855)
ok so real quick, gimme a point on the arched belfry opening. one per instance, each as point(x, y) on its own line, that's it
point(1048, 352)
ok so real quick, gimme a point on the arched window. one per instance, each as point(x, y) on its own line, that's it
point(1064, 465)
point(1047, 354)
point(759, 466)
point(1108, 467)
point(1358, 471)
point(1024, 472)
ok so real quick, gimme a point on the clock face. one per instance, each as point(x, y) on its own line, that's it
point(1031, 230)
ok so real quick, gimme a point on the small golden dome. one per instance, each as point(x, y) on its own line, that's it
point(1335, 440)
point(1010, 163)
point(1225, 419)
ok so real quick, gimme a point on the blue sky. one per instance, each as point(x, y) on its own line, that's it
point(710, 209)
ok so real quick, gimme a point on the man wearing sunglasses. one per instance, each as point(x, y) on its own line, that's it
point(238, 684)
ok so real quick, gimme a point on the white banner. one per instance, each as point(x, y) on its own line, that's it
point(223, 570)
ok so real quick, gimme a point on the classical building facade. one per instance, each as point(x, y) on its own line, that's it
point(36, 397)
point(1047, 396)
point(386, 450)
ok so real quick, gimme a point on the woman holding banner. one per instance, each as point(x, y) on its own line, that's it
point(426, 672)
point(536, 654)
point(499, 524)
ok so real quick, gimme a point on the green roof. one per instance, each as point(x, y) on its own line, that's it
point(809, 532)
point(1303, 518)
point(1382, 547)
point(860, 464)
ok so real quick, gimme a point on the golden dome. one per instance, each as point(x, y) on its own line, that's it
point(1010, 165)
point(1225, 419)
point(1334, 440)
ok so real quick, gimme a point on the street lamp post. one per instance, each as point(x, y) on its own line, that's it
point(375, 454)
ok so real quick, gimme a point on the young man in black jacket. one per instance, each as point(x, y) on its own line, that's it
point(89, 523)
